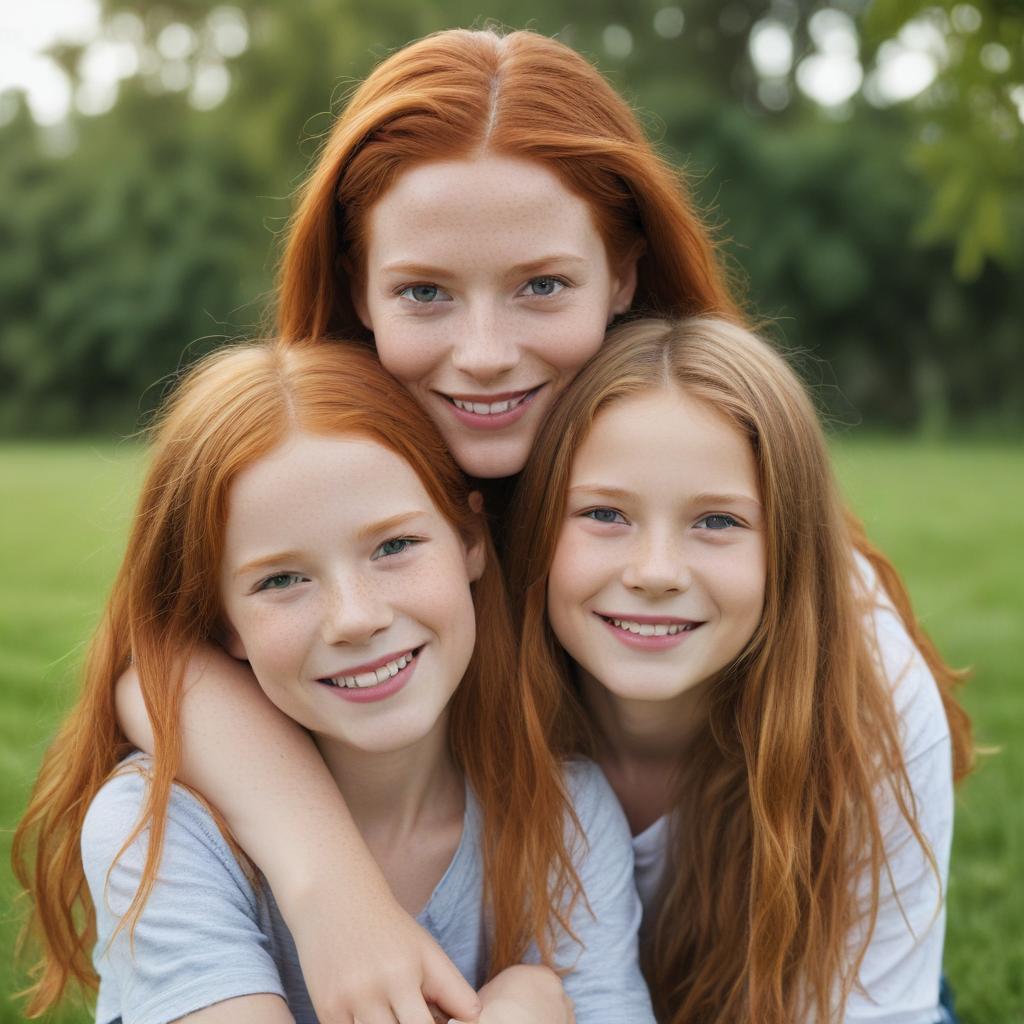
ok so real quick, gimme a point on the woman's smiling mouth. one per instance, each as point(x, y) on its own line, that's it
point(490, 412)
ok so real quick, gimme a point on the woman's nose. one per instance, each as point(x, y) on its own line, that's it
point(488, 349)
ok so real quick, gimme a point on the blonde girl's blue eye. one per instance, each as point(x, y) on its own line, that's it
point(280, 581)
point(424, 294)
point(717, 521)
point(394, 546)
point(542, 287)
point(604, 515)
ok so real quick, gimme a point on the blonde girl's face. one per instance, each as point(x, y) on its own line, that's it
point(659, 574)
point(487, 288)
point(347, 591)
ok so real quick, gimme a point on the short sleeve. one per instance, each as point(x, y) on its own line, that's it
point(198, 940)
point(900, 974)
point(605, 982)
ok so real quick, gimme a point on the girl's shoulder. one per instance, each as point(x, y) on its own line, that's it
point(593, 798)
point(192, 834)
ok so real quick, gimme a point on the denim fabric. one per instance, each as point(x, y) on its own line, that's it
point(947, 1004)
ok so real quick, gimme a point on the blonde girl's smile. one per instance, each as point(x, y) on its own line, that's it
point(658, 577)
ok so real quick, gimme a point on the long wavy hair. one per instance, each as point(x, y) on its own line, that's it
point(801, 731)
point(458, 94)
point(229, 411)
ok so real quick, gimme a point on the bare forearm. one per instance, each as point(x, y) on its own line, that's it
point(261, 771)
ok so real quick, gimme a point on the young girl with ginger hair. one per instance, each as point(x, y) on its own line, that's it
point(693, 612)
point(481, 211)
point(301, 508)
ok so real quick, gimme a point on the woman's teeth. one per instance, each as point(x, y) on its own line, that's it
point(380, 675)
point(490, 408)
point(652, 628)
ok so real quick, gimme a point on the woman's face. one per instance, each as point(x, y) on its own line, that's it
point(347, 591)
point(487, 288)
point(659, 574)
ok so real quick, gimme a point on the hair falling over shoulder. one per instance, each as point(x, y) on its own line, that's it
point(802, 733)
point(458, 94)
point(229, 410)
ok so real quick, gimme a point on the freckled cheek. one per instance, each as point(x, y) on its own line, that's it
point(567, 345)
point(740, 584)
point(578, 572)
point(408, 353)
point(278, 644)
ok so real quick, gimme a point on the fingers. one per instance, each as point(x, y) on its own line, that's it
point(444, 986)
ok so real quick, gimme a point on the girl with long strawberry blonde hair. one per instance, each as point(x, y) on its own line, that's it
point(481, 211)
point(301, 509)
point(693, 609)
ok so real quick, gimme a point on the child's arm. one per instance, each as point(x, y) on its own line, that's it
point(361, 954)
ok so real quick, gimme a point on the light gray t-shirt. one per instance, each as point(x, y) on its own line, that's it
point(207, 934)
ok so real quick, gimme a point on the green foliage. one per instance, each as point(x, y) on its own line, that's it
point(971, 152)
point(886, 242)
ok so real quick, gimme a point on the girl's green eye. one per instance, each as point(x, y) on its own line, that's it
point(604, 515)
point(280, 581)
point(395, 546)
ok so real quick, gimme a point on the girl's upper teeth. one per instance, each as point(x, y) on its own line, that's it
point(652, 628)
point(392, 668)
point(488, 408)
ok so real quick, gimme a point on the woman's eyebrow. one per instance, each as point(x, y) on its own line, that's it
point(560, 258)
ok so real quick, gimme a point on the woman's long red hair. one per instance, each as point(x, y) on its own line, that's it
point(460, 93)
point(777, 792)
point(231, 409)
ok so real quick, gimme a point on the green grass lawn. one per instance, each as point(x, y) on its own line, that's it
point(950, 516)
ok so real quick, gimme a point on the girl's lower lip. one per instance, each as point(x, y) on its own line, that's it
point(369, 694)
point(648, 643)
point(495, 421)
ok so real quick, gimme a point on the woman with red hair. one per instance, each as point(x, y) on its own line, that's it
point(482, 210)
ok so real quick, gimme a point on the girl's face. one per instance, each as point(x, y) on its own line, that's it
point(487, 287)
point(659, 575)
point(347, 591)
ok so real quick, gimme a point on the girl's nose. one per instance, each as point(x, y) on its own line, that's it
point(658, 566)
point(354, 616)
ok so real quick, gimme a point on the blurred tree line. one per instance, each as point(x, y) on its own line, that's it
point(885, 240)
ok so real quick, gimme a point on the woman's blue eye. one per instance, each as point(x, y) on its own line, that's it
point(717, 521)
point(545, 286)
point(425, 294)
point(604, 515)
point(395, 546)
point(280, 581)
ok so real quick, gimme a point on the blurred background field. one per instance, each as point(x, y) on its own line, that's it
point(862, 163)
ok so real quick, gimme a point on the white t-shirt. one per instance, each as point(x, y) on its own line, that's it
point(899, 976)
